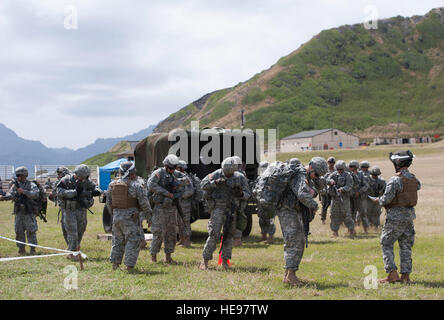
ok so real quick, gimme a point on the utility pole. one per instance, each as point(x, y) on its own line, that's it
point(242, 119)
point(397, 127)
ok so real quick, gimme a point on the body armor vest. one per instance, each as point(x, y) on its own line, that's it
point(121, 198)
point(408, 198)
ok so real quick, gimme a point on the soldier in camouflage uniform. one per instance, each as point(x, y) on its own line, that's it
point(358, 195)
point(267, 225)
point(76, 192)
point(376, 189)
point(185, 200)
point(126, 197)
point(61, 172)
point(289, 212)
point(25, 222)
point(340, 185)
point(222, 188)
point(164, 220)
point(363, 166)
point(323, 194)
point(400, 198)
point(237, 237)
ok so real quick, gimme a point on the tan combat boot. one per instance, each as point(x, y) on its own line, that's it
point(405, 278)
point(168, 258)
point(225, 264)
point(365, 230)
point(130, 269)
point(237, 242)
point(142, 245)
point(334, 234)
point(187, 242)
point(203, 265)
point(391, 278)
point(154, 258)
point(181, 240)
point(115, 266)
point(285, 276)
point(292, 280)
point(352, 233)
point(22, 251)
point(270, 239)
point(32, 251)
point(264, 238)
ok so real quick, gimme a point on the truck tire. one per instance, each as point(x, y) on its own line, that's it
point(249, 213)
point(107, 220)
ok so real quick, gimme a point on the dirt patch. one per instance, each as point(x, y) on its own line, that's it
point(435, 71)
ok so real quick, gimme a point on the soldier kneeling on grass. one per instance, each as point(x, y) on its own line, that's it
point(126, 197)
point(400, 198)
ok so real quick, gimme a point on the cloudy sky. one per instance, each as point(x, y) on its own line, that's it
point(76, 70)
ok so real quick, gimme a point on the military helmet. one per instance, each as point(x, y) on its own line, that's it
point(364, 164)
point(340, 165)
point(171, 161)
point(331, 160)
point(182, 164)
point(127, 167)
point(294, 162)
point(319, 165)
point(82, 170)
point(237, 160)
point(229, 166)
point(263, 164)
point(62, 170)
point(402, 158)
point(21, 171)
point(354, 164)
point(375, 171)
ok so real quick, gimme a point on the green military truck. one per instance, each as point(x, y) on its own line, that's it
point(202, 144)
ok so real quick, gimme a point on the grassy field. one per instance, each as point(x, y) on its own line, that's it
point(334, 267)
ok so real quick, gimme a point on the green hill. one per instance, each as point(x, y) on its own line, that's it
point(349, 78)
point(109, 156)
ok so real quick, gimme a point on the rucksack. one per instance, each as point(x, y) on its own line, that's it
point(41, 203)
point(270, 187)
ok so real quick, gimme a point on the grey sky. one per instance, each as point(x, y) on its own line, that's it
point(132, 63)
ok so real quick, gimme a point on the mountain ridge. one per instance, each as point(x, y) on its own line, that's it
point(336, 79)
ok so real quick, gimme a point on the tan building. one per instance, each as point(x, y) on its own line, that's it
point(325, 139)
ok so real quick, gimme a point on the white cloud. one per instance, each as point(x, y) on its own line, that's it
point(130, 65)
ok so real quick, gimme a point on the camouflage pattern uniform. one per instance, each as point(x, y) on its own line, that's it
point(324, 197)
point(187, 189)
point(398, 226)
point(219, 198)
point(290, 217)
point(25, 221)
point(59, 202)
point(340, 207)
point(126, 222)
point(267, 225)
point(359, 203)
point(75, 218)
point(365, 203)
point(377, 187)
point(164, 218)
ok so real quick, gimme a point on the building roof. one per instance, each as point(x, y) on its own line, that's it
point(307, 134)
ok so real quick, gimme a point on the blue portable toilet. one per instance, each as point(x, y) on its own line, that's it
point(106, 170)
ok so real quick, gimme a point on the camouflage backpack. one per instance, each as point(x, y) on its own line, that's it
point(270, 188)
point(41, 203)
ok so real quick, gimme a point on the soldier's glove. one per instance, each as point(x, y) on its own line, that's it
point(96, 193)
point(219, 181)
